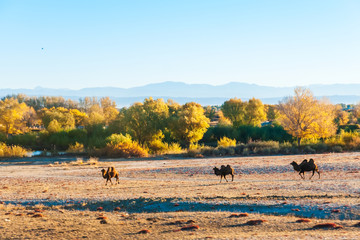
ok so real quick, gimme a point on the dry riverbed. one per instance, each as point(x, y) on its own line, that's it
point(180, 199)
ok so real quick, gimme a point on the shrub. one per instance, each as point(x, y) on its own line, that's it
point(115, 139)
point(351, 140)
point(174, 148)
point(194, 146)
point(76, 148)
point(119, 145)
point(192, 153)
point(28, 140)
point(208, 151)
point(309, 149)
point(239, 148)
point(12, 151)
point(156, 146)
point(286, 148)
point(321, 147)
point(246, 152)
point(261, 147)
point(125, 150)
point(337, 149)
point(226, 142)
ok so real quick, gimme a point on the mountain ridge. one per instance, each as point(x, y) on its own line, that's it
point(350, 93)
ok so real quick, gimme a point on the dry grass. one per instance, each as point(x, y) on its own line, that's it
point(74, 203)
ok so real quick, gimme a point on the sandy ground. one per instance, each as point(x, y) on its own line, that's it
point(40, 199)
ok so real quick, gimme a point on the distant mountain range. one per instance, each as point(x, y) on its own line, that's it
point(204, 94)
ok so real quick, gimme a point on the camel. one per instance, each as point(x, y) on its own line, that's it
point(306, 166)
point(223, 171)
point(110, 173)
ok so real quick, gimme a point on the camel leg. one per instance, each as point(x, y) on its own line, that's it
point(312, 174)
point(117, 180)
point(318, 173)
point(303, 177)
point(225, 178)
point(232, 177)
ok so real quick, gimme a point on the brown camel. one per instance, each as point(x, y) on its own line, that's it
point(223, 171)
point(306, 166)
point(110, 173)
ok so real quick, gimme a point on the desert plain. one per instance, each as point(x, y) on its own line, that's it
point(180, 198)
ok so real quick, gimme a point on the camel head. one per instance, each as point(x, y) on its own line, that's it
point(295, 165)
point(216, 171)
point(103, 173)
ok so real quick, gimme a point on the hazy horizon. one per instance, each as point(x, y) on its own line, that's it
point(209, 84)
point(83, 44)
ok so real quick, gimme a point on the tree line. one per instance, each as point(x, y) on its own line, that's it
point(155, 126)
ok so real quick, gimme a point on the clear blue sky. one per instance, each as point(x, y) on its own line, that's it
point(132, 43)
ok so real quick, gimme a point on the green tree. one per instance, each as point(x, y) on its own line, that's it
point(144, 120)
point(234, 110)
point(303, 116)
point(190, 123)
point(250, 113)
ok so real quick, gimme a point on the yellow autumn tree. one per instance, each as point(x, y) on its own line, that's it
point(255, 112)
point(342, 117)
point(62, 115)
point(244, 113)
point(303, 116)
point(189, 123)
point(146, 120)
point(79, 117)
point(11, 116)
point(109, 109)
point(234, 110)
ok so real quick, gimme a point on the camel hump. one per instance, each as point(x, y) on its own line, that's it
point(222, 166)
point(228, 166)
point(311, 160)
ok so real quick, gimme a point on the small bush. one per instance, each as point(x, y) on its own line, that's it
point(309, 149)
point(239, 148)
point(125, 150)
point(158, 147)
point(246, 152)
point(192, 153)
point(261, 147)
point(337, 149)
point(321, 147)
point(174, 148)
point(351, 140)
point(194, 146)
point(76, 148)
point(286, 148)
point(226, 142)
point(115, 139)
point(207, 151)
point(12, 151)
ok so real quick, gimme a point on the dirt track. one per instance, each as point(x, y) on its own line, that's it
point(164, 195)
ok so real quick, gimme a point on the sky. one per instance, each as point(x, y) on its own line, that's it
point(128, 43)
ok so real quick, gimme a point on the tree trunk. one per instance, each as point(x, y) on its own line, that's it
point(299, 140)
